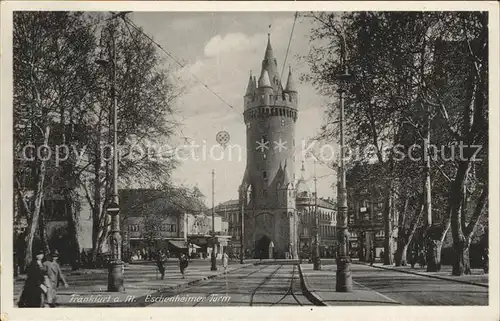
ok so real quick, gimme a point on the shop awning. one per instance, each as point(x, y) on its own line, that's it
point(178, 244)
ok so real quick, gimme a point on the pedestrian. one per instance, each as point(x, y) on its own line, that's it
point(225, 261)
point(382, 256)
point(34, 294)
point(160, 258)
point(183, 263)
point(372, 256)
point(422, 262)
point(414, 257)
point(55, 277)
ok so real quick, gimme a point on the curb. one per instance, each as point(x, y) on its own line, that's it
point(310, 295)
point(428, 275)
point(141, 299)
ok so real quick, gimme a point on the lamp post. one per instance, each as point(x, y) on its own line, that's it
point(316, 257)
point(344, 276)
point(213, 258)
point(115, 271)
point(242, 226)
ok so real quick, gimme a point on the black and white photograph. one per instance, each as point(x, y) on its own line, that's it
point(250, 158)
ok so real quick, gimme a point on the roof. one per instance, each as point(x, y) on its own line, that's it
point(250, 87)
point(264, 80)
point(290, 85)
point(325, 204)
point(178, 244)
point(228, 203)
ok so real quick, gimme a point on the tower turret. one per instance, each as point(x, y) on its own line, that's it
point(250, 86)
point(290, 84)
point(264, 80)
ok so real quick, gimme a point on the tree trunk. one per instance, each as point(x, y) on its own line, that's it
point(73, 232)
point(37, 204)
point(461, 243)
point(388, 257)
point(401, 252)
point(461, 264)
point(433, 255)
point(44, 240)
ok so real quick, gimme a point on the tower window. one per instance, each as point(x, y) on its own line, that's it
point(264, 174)
point(248, 125)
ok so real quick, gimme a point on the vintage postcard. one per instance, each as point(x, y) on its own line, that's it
point(239, 160)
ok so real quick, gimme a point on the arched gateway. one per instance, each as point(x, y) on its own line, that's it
point(264, 248)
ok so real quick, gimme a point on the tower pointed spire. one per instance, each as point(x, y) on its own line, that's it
point(250, 86)
point(270, 65)
point(290, 85)
point(269, 55)
point(264, 79)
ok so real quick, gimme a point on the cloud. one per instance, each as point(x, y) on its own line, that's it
point(231, 42)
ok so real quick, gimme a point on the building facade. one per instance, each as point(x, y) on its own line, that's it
point(366, 212)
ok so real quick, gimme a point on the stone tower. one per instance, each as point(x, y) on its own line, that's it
point(267, 190)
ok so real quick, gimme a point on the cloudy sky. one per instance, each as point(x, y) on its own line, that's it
point(220, 49)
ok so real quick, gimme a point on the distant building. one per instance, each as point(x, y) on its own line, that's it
point(365, 212)
point(152, 221)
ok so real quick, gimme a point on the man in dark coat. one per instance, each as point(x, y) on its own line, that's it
point(36, 287)
point(160, 258)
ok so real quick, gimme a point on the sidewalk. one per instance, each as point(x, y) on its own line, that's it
point(478, 277)
point(88, 288)
point(319, 288)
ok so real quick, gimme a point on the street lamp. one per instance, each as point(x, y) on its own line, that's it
point(115, 271)
point(213, 258)
point(317, 259)
point(242, 225)
point(344, 276)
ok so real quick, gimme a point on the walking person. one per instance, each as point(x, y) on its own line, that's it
point(160, 258)
point(55, 276)
point(372, 256)
point(34, 294)
point(183, 263)
point(225, 264)
point(225, 261)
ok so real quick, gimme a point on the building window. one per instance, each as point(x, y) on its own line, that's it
point(264, 174)
point(282, 123)
point(56, 210)
point(133, 227)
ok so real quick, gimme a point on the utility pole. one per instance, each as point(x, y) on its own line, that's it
point(115, 270)
point(242, 225)
point(213, 258)
point(317, 259)
point(344, 276)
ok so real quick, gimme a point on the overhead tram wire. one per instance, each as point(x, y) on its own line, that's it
point(186, 139)
point(127, 20)
point(289, 42)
